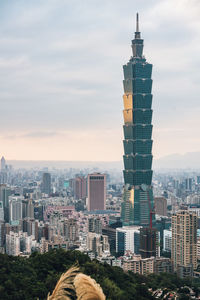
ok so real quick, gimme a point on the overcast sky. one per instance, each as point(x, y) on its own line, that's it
point(61, 76)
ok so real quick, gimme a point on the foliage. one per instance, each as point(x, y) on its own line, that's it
point(34, 277)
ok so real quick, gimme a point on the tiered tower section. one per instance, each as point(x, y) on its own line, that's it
point(137, 206)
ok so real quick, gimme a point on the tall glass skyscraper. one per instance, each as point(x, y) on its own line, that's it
point(138, 204)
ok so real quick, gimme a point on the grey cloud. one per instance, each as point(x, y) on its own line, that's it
point(61, 62)
point(40, 134)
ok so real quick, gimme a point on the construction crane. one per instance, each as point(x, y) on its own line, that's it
point(151, 210)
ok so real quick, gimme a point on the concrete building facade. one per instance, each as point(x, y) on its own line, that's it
point(184, 240)
point(96, 191)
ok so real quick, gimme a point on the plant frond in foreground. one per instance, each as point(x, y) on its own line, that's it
point(87, 288)
point(64, 289)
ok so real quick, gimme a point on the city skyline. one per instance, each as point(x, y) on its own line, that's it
point(60, 77)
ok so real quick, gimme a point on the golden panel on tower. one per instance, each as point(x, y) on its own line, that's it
point(128, 116)
point(128, 101)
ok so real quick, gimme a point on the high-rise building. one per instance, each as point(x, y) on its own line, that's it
point(3, 173)
point(5, 192)
point(188, 184)
point(96, 191)
point(95, 225)
point(184, 241)
point(148, 242)
point(1, 211)
point(2, 234)
point(12, 244)
point(97, 243)
point(28, 208)
point(160, 206)
point(31, 227)
point(80, 187)
point(46, 183)
point(167, 240)
point(15, 208)
point(71, 230)
point(138, 204)
point(3, 164)
point(128, 238)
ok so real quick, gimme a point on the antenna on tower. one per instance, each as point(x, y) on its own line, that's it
point(137, 22)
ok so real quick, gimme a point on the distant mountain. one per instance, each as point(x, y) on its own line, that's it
point(190, 160)
point(99, 165)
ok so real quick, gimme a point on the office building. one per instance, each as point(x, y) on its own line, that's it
point(167, 240)
point(148, 242)
point(188, 184)
point(160, 206)
point(162, 223)
point(184, 242)
point(128, 238)
point(96, 191)
point(28, 209)
point(31, 227)
point(3, 164)
point(15, 208)
point(5, 192)
point(138, 203)
point(71, 230)
point(80, 188)
point(95, 225)
point(1, 211)
point(12, 244)
point(2, 234)
point(98, 244)
point(46, 183)
point(111, 234)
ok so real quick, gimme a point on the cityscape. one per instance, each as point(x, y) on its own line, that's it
point(134, 217)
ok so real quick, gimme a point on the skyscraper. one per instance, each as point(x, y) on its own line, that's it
point(160, 206)
point(96, 191)
point(46, 183)
point(1, 211)
point(184, 242)
point(138, 205)
point(148, 239)
point(3, 163)
point(15, 208)
point(80, 187)
point(128, 238)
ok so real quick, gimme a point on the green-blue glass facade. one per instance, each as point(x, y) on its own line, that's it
point(138, 204)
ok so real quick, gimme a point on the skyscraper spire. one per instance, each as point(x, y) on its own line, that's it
point(137, 43)
point(137, 22)
point(137, 33)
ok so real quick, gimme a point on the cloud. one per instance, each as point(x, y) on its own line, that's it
point(40, 134)
point(61, 71)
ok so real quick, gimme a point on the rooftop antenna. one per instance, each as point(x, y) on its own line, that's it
point(137, 22)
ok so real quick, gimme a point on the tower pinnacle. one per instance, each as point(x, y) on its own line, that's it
point(137, 43)
point(137, 22)
point(137, 33)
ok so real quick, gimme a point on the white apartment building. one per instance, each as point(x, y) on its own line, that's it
point(167, 240)
point(127, 238)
